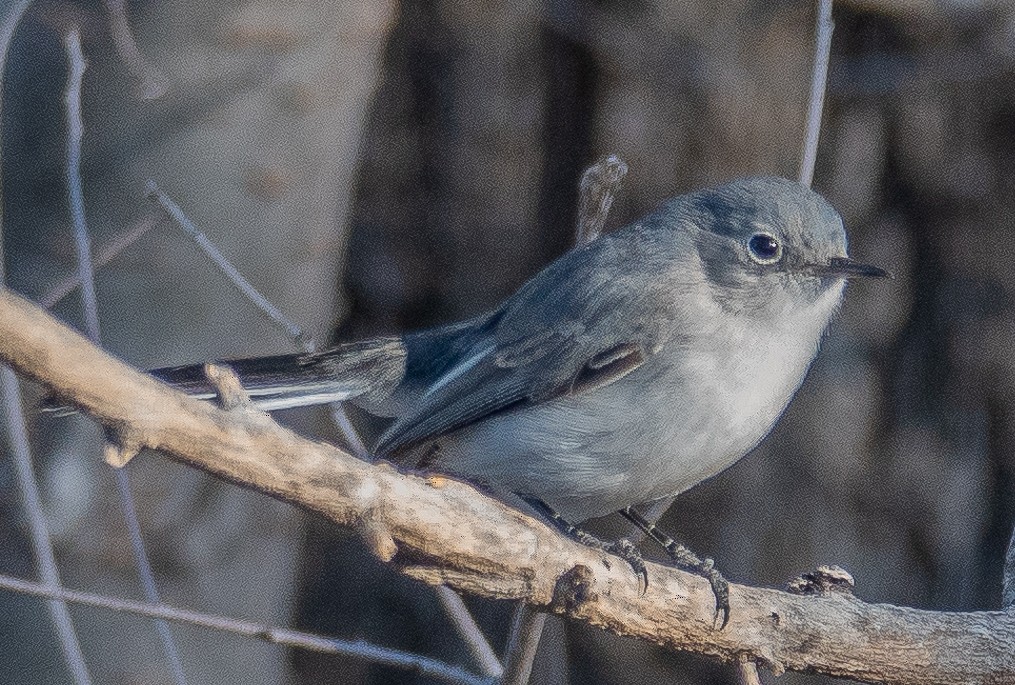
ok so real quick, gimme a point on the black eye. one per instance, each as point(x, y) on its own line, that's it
point(764, 248)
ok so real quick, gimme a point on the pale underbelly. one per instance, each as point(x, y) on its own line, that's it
point(590, 455)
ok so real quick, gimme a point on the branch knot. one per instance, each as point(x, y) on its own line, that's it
point(822, 581)
point(574, 589)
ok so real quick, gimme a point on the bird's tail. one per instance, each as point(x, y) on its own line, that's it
point(367, 368)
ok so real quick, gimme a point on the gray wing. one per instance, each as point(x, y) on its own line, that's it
point(487, 383)
point(575, 327)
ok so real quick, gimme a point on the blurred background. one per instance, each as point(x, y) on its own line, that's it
point(374, 166)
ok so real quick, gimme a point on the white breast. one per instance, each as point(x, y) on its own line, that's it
point(690, 412)
point(744, 380)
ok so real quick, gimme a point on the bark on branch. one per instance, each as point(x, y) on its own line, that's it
point(442, 531)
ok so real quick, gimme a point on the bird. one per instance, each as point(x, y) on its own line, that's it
point(628, 370)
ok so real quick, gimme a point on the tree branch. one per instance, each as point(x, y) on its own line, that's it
point(287, 637)
point(444, 531)
point(816, 101)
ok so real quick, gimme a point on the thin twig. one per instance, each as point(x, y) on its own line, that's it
point(274, 314)
point(274, 635)
point(596, 190)
point(17, 434)
point(10, 16)
point(104, 256)
point(747, 672)
point(234, 276)
point(469, 631)
point(42, 546)
point(822, 51)
point(86, 275)
point(456, 610)
point(349, 432)
point(523, 643)
point(75, 132)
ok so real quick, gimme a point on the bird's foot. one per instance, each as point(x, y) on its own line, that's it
point(720, 586)
point(689, 561)
point(626, 550)
point(622, 548)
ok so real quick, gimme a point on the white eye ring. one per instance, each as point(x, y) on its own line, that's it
point(764, 248)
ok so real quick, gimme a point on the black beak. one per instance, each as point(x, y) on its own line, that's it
point(844, 267)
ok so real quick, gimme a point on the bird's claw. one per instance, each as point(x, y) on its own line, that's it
point(686, 559)
point(626, 550)
point(623, 547)
point(721, 590)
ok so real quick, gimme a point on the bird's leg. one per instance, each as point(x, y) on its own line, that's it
point(622, 548)
point(687, 559)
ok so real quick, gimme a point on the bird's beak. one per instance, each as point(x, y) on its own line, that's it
point(844, 267)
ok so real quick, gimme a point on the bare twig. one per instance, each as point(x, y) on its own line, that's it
point(822, 50)
point(598, 185)
point(86, 276)
point(274, 635)
point(469, 631)
point(596, 190)
point(234, 276)
point(456, 610)
point(41, 545)
point(10, 16)
point(103, 257)
point(747, 672)
point(274, 314)
point(349, 432)
point(17, 432)
point(449, 533)
point(75, 132)
point(526, 630)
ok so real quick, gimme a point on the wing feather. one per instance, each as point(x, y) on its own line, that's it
point(573, 328)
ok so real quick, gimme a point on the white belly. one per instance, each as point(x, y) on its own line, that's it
point(684, 416)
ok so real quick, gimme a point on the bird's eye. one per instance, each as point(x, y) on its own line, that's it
point(764, 248)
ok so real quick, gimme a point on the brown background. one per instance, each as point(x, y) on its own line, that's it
point(374, 167)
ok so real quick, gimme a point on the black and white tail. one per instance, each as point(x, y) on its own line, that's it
point(352, 370)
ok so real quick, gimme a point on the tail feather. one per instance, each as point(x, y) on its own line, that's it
point(368, 368)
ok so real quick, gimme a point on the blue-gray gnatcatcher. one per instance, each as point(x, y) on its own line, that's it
point(628, 370)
